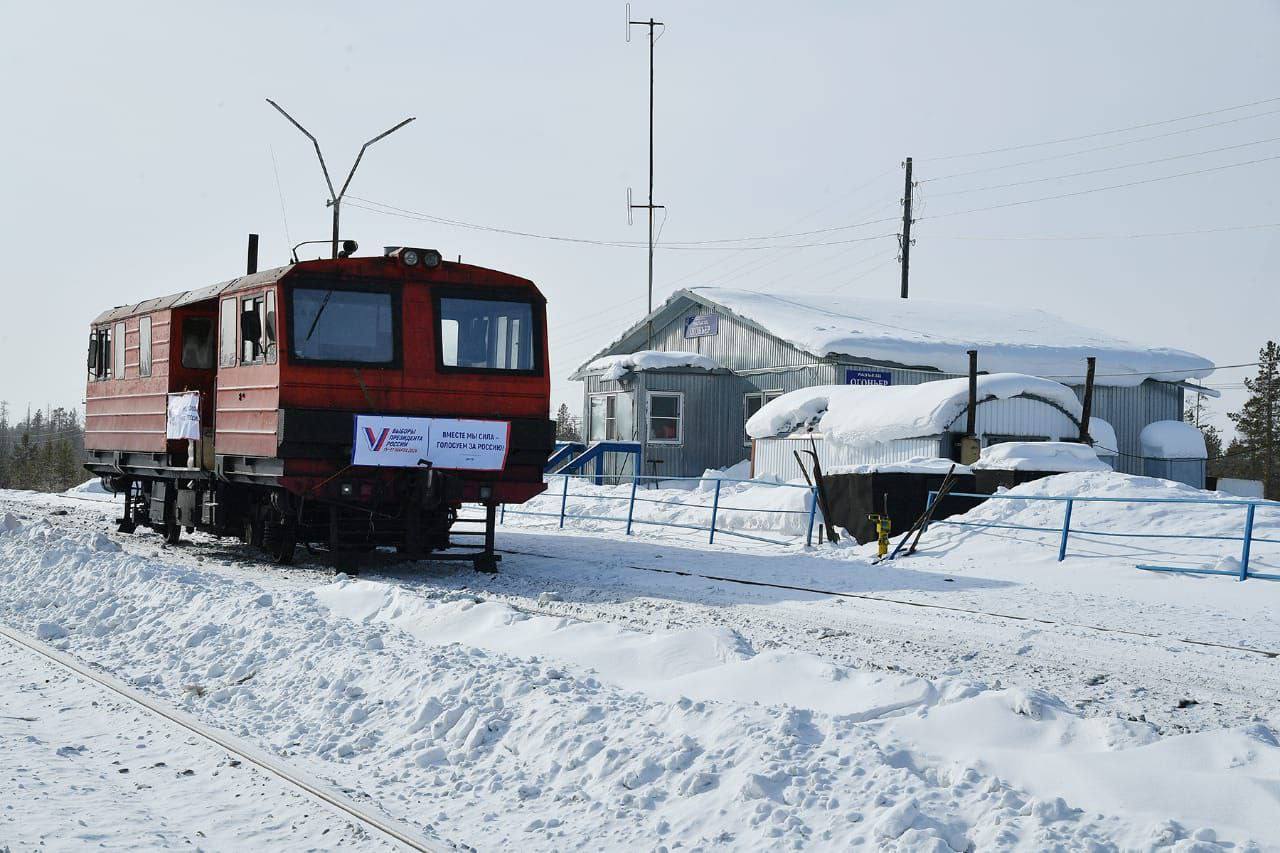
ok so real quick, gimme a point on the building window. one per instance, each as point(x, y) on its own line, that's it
point(144, 346)
point(666, 417)
point(752, 403)
point(118, 361)
point(610, 418)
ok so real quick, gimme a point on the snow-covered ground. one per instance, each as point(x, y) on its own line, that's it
point(978, 695)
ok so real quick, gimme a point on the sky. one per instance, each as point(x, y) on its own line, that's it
point(139, 151)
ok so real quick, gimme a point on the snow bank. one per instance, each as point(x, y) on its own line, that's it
point(1172, 440)
point(863, 415)
point(915, 465)
point(926, 333)
point(617, 366)
point(513, 730)
point(1061, 456)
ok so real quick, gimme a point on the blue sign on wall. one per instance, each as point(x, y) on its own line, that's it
point(865, 376)
point(702, 325)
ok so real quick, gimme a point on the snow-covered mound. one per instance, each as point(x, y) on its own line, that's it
point(864, 415)
point(1172, 440)
point(1062, 456)
point(90, 490)
point(927, 333)
point(617, 366)
point(914, 465)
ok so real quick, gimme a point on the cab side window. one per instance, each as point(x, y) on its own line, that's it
point(144, 346)
point(117, 364)
point(227, 334)
point(100, 354)
point(258, 328)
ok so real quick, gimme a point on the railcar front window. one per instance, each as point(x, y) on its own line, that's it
point(486, 334)
point(343, 326)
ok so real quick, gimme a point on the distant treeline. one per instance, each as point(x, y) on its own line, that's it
point(42, 451)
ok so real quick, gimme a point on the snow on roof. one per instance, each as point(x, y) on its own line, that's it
point(927, 333)
point(1172, 440)
point(616, 366)
point(862, 415)
point(1056, 456)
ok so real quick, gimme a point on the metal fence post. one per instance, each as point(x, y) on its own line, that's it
point(715, 508)
point(564, 499)
point(631, 506)
point(1066, 528)
point(813, 511)
point(1248, 537)
point(502, 515)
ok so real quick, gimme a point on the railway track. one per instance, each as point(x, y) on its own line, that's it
point(394, 831)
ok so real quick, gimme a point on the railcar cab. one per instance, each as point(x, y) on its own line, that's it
point(287, 362)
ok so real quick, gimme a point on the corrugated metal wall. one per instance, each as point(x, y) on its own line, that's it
point(1131, 409)
point(712, 407)
point(776, 456)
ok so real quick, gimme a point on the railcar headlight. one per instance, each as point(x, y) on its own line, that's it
point(410, 257)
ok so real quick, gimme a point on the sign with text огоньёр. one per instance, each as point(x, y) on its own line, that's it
point(387, 441)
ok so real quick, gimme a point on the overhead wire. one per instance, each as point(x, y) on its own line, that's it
point(1105, 168)
point(1108, 147)
point(1100, 133)
point(1136, 236)
point(1103, 189)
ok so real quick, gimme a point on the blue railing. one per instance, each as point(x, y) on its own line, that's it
point(711, 529)
point(595, 453)
point(1246, 538)
point(565, 450)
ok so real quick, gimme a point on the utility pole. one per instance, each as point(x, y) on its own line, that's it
point(335, 198)
point(650, 207)
point(905, 237)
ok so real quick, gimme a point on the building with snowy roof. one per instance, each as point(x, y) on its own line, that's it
point(718, 355)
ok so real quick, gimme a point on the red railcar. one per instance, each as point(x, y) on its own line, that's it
point(352, 402)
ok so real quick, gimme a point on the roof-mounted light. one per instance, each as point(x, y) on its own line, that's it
point(412, 257)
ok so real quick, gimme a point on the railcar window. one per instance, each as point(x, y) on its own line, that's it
point(486, 334)
point(99, 354)
point(342, 325)
point(118, 363)
point(269, 328)
point(253, 349)
point(197, 343)
point(227, 334)
point(144, 346)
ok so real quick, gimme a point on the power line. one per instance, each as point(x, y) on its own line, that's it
point(1102, 189)
point(1113, 145)
point(1220, 230)
point(1106, 168)
point(1105, 132)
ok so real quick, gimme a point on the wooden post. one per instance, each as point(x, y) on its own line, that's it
point(1087, 406)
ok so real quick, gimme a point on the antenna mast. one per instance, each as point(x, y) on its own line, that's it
point(335, 199)
point(650, 207)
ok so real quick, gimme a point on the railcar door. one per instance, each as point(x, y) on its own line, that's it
point(193, 365)
point(248, 384)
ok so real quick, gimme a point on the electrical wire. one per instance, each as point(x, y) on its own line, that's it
point(1096, 134)
point(1108, 147)
point(1103, 189)
point(1221, 230)
point(1105, 168)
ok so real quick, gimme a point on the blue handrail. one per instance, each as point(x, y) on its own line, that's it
point(1247, 538)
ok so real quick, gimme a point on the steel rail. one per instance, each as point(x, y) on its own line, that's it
point(402, 835)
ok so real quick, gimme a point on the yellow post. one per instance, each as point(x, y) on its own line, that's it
point(883, 526)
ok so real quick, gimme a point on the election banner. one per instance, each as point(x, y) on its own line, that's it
point(390, 441)
point(183, 416)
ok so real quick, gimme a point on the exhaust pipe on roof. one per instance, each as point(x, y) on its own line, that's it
point(251, 263)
